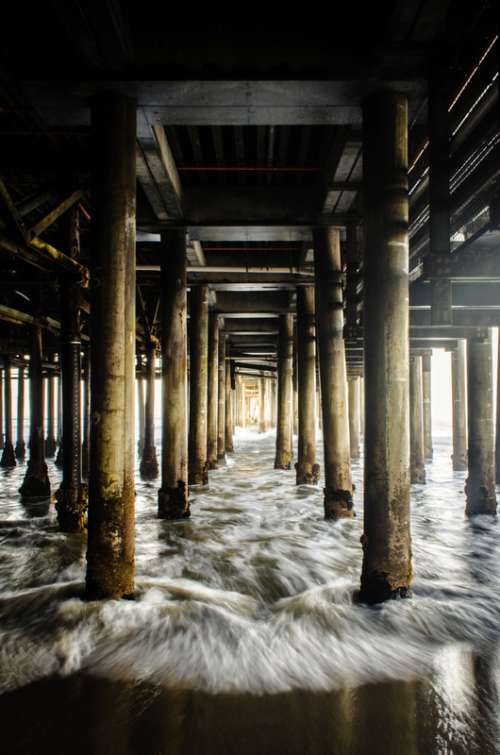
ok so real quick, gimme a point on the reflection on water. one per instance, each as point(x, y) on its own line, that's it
point(244, 637)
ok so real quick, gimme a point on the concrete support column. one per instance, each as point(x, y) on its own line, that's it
point(354, 411)
point(427, 393)
point(198, 386)
point(319, 416)
point(173, 499)
point(362, 405)
point(459, 406)
point(497, 433)
point(72, 495)
point(140, 405)
point(221, 399)
point(36, 482)
point(149, 463)
point(386, 570)
point(87, 420)
point(243, 399)
point(50, 440)
point(417, 454)
point(295, 399)
point(8, 457)
point(263, 425)
point(272, 403)
point(1, 411)
point(438, 261)
point(20, 450)
point(111, 516)
point(332, 369)
point(229, 409)
point(306, 467)
point(480, 485)
point(213, 389)
point(239, 401)
point(58, 461)
point(284, 426)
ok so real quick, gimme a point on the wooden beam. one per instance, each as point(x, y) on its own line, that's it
point(199, 253)
point(55, 214)
point(44, 256)
point(13, 217)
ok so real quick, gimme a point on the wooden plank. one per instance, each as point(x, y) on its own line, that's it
point(55, 214)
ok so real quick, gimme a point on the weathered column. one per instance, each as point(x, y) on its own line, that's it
point(58, 461)
point(213, 389)
point(284, 425)
point(140, 402)
point(243, 398)
point(50, 440)
point(229, 409)
point(295, 399)
point(8, 457)
point(87, 420)
point(332, 369)
point(20, 450)
point(417, 454)
point(110, 554)
point(239, 402)
point(198, 387)
point(1, 411)
point(173, 498)
point(319, 416)
point(221, 399)
point(386, 570)
point(354, 421)
point(149, 465)
point(427, 394)
point(480, 484)
point(263, 425)
point(36, 481)
point(362, 405)
point(459, 406)
point(437, 262)
point(72, 495)
point(274, 402)
point(497, 433)
point(306, 467)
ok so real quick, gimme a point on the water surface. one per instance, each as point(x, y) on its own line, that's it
point(244, 637)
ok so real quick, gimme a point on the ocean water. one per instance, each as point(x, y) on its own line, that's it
point(244, 636)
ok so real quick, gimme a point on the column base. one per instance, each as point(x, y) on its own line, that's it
point(229, 448)
point(50, 447)
point(8, 457)
point(71, 507)
point(417, 475)
point(36, 482)
point(212, 464)
point(85, 460)
point(429, 455)
point(149, 464)
point(198, 474)
point(58, 461)
point(338, 504)
point(479, 501)
point(221, 459)
point(377, 588)
point(20, 450)
point(307, 475)
point(283, 460)
point(173, 503)
point(459, 463)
